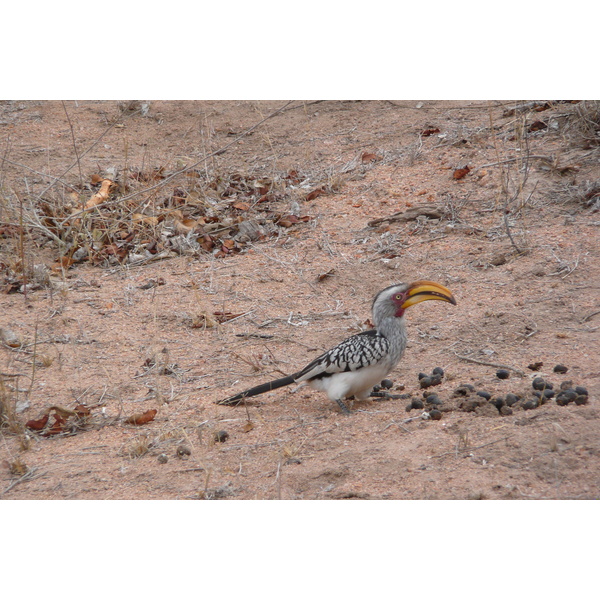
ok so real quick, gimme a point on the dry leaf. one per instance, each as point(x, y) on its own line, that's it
point(431, 131)
point(248, 426)
point(96, 179)
point(537, 126)
point(56, 427)
point(224, 316)
point(325, 275)
point(369, 157)
point(315, 194)
point(142, 418)
point(460, 173)
point(38, 424)
point(101, 195)
point(241, 205)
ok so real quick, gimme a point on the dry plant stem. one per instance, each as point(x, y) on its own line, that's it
point(180, 172)
point(491, 364)
point(57, 179)
point(22, 248)
point(3, 159)
point(74, 143)
point(470, 448)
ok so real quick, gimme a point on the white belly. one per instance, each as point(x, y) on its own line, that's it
point(351, 383)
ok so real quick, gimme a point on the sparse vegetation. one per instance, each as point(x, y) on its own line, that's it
point(155, 257)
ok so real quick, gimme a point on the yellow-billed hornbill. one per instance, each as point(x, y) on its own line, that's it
point(361, 361)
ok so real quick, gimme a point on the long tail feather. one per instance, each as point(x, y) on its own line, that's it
point(259, 389)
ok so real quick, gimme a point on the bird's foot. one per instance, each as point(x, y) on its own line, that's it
point(344, 408)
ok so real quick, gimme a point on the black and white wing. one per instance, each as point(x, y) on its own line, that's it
point(359, 351)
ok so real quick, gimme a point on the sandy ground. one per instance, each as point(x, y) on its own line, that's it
point(249, 242)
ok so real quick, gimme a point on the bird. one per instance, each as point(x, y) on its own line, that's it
point(358, 363)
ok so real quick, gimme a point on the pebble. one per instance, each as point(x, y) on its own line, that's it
point(502, 374)
point(183, 451)
point(387, 384)
point(581, 400)
point(581, 391)
point(530, 404)
point(485, 395)
point(417, 404)
point(162, 458)
point(221, 436)
point(422, 376)
point(560, 369)
point(565, 385)
point(506, 411)
point(438, 371)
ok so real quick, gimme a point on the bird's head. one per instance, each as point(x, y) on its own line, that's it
point(394, 300)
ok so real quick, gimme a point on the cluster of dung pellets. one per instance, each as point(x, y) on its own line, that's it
point(542, 392)
point(427, 381)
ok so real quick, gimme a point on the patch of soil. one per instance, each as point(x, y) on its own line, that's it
point(238, 240)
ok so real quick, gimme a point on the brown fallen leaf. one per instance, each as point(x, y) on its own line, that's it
point(315, 194)
point(142, 418)
point(369, 157)
point(248, 426)
point(224, 316)
point(428, 132)
point(56, 427)
point(101, 195)
point(537, 126)
point(38, 424)
point(241, 205)
point(460, 173)
point(322, 276)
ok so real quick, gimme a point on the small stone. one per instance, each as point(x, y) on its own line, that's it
point(548, 393)
point(387, 384)
point(565, 385)
point(484, 394)
point(183, 451)
point(560, 369)
point(422, 376)
point(511, 399)
point(435, 414)
point(438, 371)
point(538, 383)
point(531, 404)
point(221, 436)
point(417, 404)
point(506, 411)
point(502, 374)
point(581, 391)
point(580, 400)
point(162, 458)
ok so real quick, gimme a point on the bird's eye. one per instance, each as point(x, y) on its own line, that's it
point(398, 296)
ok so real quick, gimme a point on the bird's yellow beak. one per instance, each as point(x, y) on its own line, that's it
point(419, 291)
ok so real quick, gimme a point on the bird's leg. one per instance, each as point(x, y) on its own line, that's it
point(341, 404)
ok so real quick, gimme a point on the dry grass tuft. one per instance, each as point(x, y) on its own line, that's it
point(584, 124)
